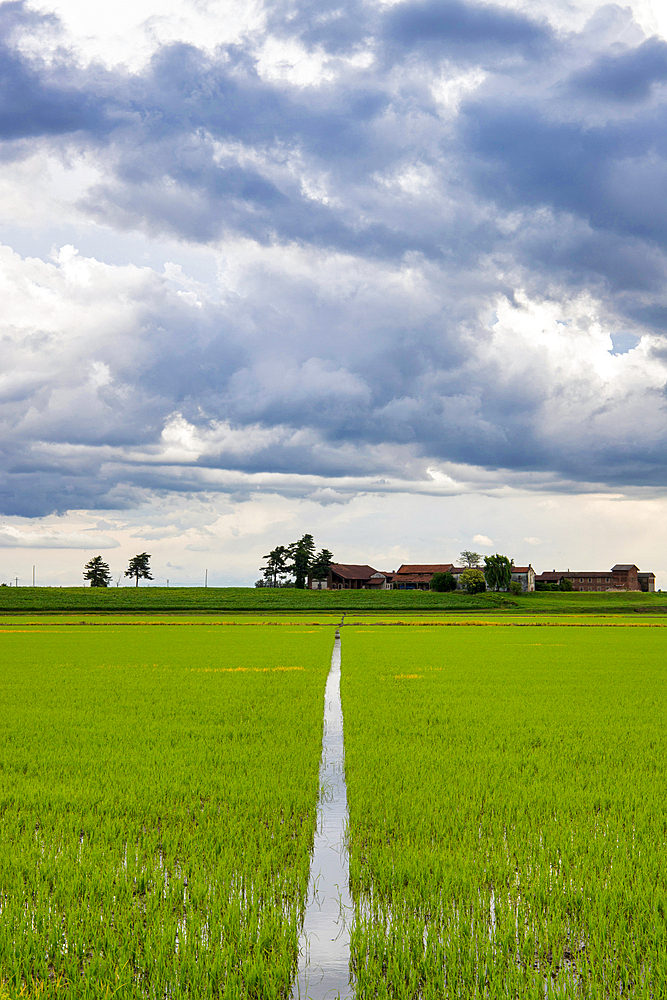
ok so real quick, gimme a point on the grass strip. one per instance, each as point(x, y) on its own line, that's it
point(249, 600)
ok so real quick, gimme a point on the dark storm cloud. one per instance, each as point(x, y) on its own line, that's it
point(611, 174)
point(410, 216)
point(625, 77)
point(36, 100)
point(445, 26)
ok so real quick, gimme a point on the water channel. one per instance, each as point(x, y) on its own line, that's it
point(324, 947)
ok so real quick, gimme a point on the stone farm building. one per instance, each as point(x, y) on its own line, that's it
point(622, 576)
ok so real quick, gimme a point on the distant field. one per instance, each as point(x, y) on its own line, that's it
point(266, 600)
point(508, 826)
point(158, 792)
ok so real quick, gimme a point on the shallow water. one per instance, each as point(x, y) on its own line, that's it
point(324, 961)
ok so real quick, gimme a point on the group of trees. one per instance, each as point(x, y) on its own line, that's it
point(290, 565)
point(99, 574)
point(496, 574)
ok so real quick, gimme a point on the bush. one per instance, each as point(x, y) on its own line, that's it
point(515, 587)
point(473, 581)
point(565, 585)
point(443, 582)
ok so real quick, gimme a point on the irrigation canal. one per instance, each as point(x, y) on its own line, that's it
point(324, 947)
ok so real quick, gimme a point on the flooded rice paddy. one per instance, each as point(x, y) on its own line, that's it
point(174, 810)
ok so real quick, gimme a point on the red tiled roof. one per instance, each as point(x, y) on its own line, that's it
point(521, 569)
point(424, 568)
point(353, 572)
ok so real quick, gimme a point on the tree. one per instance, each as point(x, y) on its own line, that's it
point(276, 566)
point(470, 559)
point(516, 588)
point(443, 582)
point(97, 571)
point(321, 565)
point(472, 580)
point(565, 584)
point(498, 572)
point(139, 568)
point(302, 554)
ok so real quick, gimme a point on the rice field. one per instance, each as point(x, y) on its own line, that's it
point(505, 782)
point(508, 826)
point(158, 792)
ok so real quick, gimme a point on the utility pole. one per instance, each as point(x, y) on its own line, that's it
point(167, 581)
point(206, 579)
point(17, 581)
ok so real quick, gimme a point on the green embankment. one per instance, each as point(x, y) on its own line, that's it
point(158, 792)
point(508, 827)
point(131, 600)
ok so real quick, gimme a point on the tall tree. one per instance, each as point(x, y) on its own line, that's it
point(321, 564)
point(276, 566)
point(97, 571)
point(470, 559)
point(139, 568)
point(302, 555)
point(498, 572)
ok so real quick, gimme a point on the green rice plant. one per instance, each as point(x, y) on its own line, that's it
point(508, 826)
point(158, 793)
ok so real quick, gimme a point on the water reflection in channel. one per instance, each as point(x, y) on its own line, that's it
point(325, 939)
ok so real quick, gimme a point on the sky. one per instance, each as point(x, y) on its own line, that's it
point(391, 273)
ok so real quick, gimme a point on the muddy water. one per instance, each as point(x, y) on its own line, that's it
point(324, 960)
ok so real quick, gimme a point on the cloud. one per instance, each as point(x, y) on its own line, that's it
point(449, 25)
point(533, 541)
point(628, 76)
point(482, 540)
point(14, 538)
point(440, 260)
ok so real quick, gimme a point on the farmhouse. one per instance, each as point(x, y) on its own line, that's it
point(409, 576)
point(525, 575)
point(417, 576)
point(622, 576)
point(350, 576)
